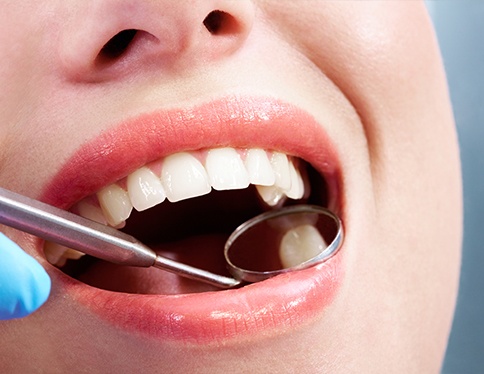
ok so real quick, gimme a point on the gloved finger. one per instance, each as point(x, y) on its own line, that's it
point(24, 284)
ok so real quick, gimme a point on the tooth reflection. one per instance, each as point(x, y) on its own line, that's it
point(300, 244)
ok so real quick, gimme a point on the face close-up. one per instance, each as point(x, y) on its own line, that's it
point(105, 102)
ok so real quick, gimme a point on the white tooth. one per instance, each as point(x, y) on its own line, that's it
point(53, 252)
point(87, 210)
point(300, 244)
point(297, 185)
point(183, 177)
point(145, 189)
point(280, 165)
point(259, 168)
point(226, 170)
point(271, 195)
point(57, 254)
point(115, 204)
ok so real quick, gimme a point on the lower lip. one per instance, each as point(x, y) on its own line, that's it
point(273, 305)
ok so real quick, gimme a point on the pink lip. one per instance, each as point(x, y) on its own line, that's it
point(274, 304)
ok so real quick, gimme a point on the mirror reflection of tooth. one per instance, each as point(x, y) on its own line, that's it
point(297, 184)
point(300, 244)
point(115, 204)
point(280, 166)
point(259, 167)
point(145, 189)
point(90, 211)
point(225, 169)
point(271, 195)
point(184, 177)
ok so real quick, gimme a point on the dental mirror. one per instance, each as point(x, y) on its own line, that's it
point(282, 240)
point(272, 243)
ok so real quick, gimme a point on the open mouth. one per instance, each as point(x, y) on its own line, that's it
point(108, 174)
point(184, 206)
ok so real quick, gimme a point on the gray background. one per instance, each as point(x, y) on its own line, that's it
point(460, 29)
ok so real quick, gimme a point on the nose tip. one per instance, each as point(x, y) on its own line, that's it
point(110, 38)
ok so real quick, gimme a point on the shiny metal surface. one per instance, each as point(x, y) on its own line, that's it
point(107, 243)
point(300, 213)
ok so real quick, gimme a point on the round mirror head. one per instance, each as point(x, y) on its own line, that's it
point(283, 240)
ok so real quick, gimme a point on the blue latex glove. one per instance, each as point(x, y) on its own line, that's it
point(24, 284)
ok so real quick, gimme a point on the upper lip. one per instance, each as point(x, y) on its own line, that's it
point(231, 121)
point(239, 122)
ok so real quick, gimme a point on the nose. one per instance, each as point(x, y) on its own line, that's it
point(104, 39)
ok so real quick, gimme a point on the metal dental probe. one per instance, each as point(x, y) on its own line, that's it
point(104, 242)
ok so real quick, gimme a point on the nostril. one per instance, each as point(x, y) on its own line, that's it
point(117, 45)
point(218, 22)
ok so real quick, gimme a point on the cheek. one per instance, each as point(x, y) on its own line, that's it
point(384, 58)
point(24, 136)
point(397, 85)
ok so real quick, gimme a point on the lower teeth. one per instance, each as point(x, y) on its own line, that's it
point(58, 255)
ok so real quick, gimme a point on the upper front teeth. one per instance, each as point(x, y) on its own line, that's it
point(145, 189)
point(189, 174)
point(184, 177)
point(226, 170)
point(259, 168)
point(280, 165)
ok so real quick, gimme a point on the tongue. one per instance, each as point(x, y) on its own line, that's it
point(205, 252)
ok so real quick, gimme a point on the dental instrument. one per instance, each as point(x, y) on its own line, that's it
point(107, 243)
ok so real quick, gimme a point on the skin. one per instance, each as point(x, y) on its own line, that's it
point(370, 72)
